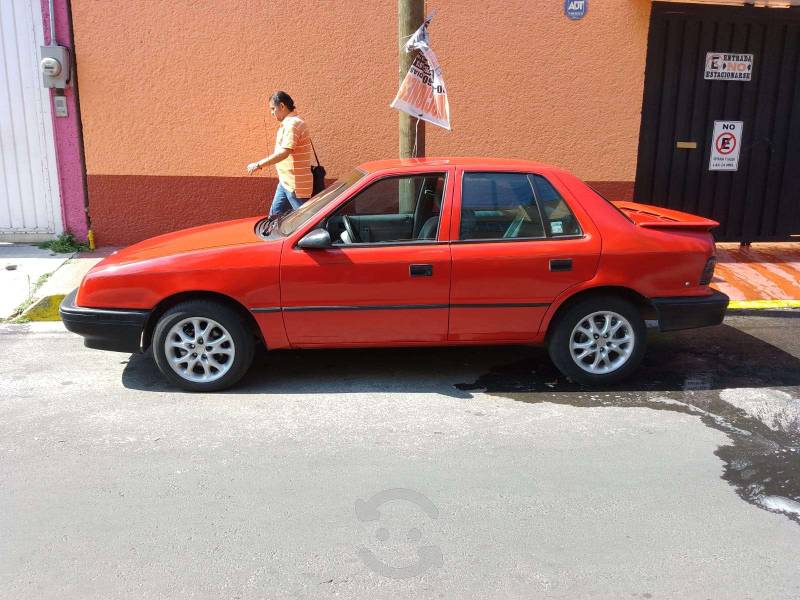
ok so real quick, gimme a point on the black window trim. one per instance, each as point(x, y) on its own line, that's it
point(529, 175)
point(433, 242)
point(560, 195)
point(388, 244)
point(526, 239)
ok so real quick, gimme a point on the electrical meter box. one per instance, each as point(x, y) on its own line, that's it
point(55, 66)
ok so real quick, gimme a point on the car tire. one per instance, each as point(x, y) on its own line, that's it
point(579, 348)
point(212, 363)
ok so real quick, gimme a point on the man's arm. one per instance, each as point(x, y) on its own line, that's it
point(273, 158)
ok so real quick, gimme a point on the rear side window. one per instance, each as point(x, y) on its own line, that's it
point(558, 218)
point(499, 206)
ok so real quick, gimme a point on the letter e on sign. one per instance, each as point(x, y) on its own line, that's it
point(728, 67)
point(726, 141)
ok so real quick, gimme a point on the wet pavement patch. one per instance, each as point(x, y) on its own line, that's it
point(683, 374)
point(718, 374)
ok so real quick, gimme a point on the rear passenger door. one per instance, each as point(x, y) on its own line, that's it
point(516, 245)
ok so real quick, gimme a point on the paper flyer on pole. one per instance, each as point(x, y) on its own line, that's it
point(423, 93)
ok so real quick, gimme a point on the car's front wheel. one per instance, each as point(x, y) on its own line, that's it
point(599, 340)
point(202, 346)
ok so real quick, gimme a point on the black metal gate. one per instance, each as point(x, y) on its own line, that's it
point(761, 200)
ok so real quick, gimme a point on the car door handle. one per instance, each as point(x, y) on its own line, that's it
point(560, 264)
point(420, 270)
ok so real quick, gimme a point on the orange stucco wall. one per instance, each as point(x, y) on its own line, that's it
point(179, 88)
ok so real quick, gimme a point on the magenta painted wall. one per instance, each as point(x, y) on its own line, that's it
point(68, 133)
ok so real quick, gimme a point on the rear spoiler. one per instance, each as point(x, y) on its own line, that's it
point(656, 217)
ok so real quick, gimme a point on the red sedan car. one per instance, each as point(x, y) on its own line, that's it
point(421, 252)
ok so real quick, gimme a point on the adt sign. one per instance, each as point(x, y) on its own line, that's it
point(575, 9)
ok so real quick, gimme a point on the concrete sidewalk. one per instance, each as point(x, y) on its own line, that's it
point(764, 275)
point(23, 268)
point(755, 277)
point(34, 281)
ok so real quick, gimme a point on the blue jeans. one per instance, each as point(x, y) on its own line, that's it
point(284, 201)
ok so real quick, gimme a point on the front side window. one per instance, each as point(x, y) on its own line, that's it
point(394, 209)
point(499, 206)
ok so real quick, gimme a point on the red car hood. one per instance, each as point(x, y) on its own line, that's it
point(213, 235)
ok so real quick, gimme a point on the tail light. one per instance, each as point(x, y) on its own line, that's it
point(708, 271)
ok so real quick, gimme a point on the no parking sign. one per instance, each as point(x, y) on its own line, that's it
point(726, 142)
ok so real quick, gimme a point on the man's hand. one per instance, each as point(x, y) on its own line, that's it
point(252, 168)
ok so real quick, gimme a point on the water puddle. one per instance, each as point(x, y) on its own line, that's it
point(726, 390)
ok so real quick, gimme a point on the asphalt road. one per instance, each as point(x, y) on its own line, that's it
point(441, 473)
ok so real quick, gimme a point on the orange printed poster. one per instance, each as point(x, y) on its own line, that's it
point(423, 93)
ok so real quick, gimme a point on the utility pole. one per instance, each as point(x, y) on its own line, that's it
point(410, 15)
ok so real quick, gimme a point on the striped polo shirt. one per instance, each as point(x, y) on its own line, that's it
point(294, 171)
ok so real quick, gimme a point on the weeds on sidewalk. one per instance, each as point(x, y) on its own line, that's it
point(16, 315)
point(64, 243)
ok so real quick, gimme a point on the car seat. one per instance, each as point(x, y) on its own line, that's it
point(428, 229)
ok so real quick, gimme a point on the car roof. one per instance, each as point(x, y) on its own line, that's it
point(458, 161)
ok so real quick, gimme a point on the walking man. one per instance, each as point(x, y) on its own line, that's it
point(291, 157)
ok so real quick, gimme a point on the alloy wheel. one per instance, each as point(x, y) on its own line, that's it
point(602, 342)
point(199, 349)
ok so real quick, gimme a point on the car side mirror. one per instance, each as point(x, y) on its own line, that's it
point(316, 238)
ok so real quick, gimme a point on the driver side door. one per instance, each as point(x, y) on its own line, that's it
point(386, 278)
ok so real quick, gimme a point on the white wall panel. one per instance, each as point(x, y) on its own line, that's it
point(29, 198)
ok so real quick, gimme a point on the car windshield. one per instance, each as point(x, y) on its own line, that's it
point(291, 222)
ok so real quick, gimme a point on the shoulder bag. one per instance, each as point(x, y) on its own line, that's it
point(317, 173)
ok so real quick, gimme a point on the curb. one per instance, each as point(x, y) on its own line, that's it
point(45, 309)
point(762, 304)
point(47, 300)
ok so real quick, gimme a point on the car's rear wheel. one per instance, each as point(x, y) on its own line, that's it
point(202, 346)
point(599, 340)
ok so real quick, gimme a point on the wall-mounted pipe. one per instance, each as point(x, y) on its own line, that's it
point(52, 24)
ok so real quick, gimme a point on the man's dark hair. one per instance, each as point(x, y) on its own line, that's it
point(282, 97)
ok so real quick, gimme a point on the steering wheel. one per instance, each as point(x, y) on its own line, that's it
point(348, 225)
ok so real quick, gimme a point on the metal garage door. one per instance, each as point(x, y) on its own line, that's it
point(761, 199)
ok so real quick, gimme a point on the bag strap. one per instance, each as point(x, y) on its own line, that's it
point(314, 150)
